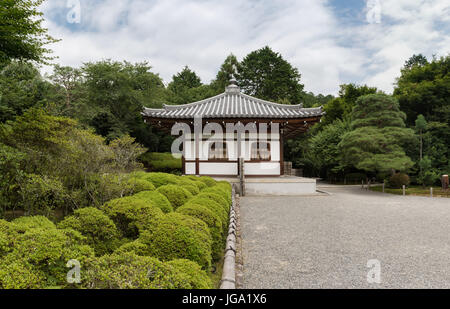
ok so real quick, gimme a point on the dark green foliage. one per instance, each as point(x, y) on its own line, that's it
point(155, 198)
point(23, 36)
point(176, 195)
point(130, 271)
point(399, 180)
point(161, 162)
point(214, 223)
point(378, 137)
point(178, 236)
point(266, 75)
point(229, 68)
point(132, 215)
point(100, 231)
point(186, 87)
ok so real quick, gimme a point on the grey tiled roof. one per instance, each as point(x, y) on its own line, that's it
point(233, 104)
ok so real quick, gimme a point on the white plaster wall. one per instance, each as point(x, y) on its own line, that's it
point(263, 168)
point(218, 168)
point(190, 168)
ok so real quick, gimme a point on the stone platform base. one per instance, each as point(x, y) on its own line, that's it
point(278, 186)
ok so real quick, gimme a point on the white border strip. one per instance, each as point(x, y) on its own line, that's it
point(228, 281)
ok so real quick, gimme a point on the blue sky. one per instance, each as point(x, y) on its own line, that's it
point(330, 42)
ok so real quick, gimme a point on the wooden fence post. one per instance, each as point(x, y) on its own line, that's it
point(404, 190)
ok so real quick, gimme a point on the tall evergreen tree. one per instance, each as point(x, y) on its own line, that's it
point(378, 137)
point(266, 75)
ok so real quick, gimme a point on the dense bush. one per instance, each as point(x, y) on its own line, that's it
point(355, 177)
point(23, 224)
point(187, 180)
point(38, 257)
point(197, 278)
point(160, 179)
point(176, 195)
point(178, 236)
point(130, 271)
point(132, 215)
point(399, 180)
point(156, 198)
point(214, 224)
point(41, 194)
point(137, 185)
point(217, 197)
point(161, 162)
point(191, 188)
point(212, 205)
point(207, 181)
point(100, 231)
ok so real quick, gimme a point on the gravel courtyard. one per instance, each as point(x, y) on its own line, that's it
point(326, 241)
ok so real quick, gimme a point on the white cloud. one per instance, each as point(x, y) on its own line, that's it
point(201, 33)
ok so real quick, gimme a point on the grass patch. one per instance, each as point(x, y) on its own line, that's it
point(414, 191)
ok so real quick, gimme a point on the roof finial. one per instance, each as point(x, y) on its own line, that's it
point(233, 85)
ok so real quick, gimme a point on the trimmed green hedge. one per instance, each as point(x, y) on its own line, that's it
point(131, 215)
point(213, 221)
point(215, 207)
point(176, 195)
point(155, 198)
point(23, 224)
point(100, 231)
point(130, 271)
point(161, 179)
point(139, 185)
point(192, 272)
point(38, 257)
point(191, 188)
point(178, 236)
point(207, 181)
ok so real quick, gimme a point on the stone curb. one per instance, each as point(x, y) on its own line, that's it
point(228, 281)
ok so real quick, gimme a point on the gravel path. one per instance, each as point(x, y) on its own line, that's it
point(326, 241)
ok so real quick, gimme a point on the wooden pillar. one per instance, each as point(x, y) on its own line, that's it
point(198, 126)
point(281, 152)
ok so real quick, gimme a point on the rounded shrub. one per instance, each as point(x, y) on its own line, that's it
point(217, 197)
point(130, 271)
point(192, 189)
point(48, 251)
point(220, 191)
point(132, 215)
point(135, 247)
point(161, 179)
point(178, 236)
point(192, 272)
point(100, 231)
point(207, 181)
point(176, 195)
point(137, 185)
point(18, 274)
point(23, 224)
point(187, 180)
point(155, 198)
point(212, 205)
point(399, 180)
point(213, 222)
